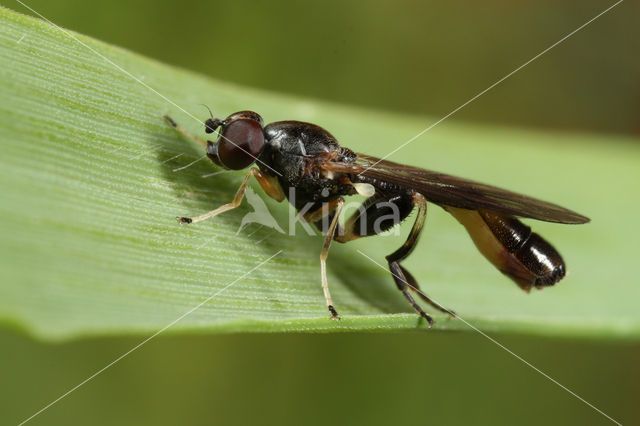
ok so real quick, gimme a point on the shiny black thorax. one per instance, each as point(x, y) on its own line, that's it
point(296, 150)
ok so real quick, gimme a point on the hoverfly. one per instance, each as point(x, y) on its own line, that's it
point(318, 172)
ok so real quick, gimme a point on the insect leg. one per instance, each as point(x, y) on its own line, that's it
point(404, 280)
point(323, 257)
point(332, 211)
point(185, 131)
point(394, 258)
point(413, 285)
point(316, 216)
point(269, 184)
point(265, 183)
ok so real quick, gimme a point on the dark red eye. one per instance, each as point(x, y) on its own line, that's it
point(240, 143)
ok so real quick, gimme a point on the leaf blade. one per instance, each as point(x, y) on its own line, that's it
point(92, 179)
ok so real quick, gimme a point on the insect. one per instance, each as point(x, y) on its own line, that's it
point(317, 172)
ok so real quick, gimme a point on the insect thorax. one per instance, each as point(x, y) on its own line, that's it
point(297, 150)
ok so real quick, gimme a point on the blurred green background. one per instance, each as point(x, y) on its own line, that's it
point(424, 57)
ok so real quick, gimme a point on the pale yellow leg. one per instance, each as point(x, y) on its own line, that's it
point(229, 206)
point(185, 131)
point(323, 258)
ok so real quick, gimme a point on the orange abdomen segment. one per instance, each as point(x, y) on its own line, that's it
point(511, 247)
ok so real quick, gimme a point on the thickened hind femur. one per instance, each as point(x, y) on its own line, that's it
point(240, 143)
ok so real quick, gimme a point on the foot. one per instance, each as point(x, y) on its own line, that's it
point(428, 318)
point(184, 219)
point(334, 313)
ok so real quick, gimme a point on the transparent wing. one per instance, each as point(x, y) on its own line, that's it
point(453, 191)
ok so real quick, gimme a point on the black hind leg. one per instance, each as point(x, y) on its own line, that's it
point(403, 279)
point(413, 285)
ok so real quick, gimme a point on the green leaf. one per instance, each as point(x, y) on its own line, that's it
point(92, 178)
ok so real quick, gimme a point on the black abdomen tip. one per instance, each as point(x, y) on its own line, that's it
point(553, 277)
point(542, 260)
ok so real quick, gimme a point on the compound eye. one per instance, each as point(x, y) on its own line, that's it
point(240, 143)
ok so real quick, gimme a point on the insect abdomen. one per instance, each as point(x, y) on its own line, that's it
point(382, 213)
point(511, 247)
